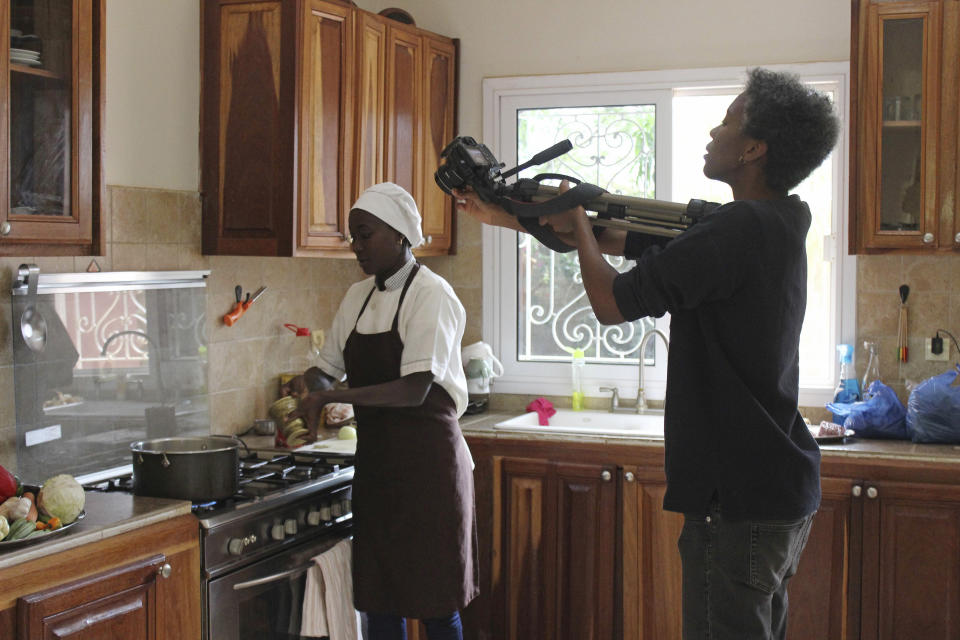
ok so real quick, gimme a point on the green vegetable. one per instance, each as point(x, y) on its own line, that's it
point(63, 497)
point(4, 527)
point(21, 529)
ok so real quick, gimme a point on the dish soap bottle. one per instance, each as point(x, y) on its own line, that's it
point(577, 365)
point(848, 389)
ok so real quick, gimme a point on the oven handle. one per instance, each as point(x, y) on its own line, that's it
point(274, 578)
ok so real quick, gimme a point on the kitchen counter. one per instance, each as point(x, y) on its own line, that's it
point(482, 426)
point(107, 515)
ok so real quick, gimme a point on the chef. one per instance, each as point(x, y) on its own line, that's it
point(396, 337)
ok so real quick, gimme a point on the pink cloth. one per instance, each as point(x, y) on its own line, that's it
point(544, 410)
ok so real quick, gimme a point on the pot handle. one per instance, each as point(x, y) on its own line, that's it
point(235, 438)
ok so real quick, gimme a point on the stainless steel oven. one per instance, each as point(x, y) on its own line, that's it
point(256, 554)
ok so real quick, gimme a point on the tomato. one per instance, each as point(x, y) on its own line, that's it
point(8, 484)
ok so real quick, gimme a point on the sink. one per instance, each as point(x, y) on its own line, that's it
point(590, 422)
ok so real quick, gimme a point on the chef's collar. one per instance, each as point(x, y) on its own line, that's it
point(396, 280)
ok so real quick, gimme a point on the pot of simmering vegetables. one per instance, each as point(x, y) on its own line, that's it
point(199, 469)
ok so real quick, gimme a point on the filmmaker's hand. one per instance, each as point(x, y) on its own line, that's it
point(564, 223)
point(469, 202)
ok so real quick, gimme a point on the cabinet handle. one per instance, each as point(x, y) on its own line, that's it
point(629, 476)
point(956, 239)
point(872, 492)
point(428, 240)
point(928, 238)
point(5, 229)
point(606, 476)
point(856, 490)
point(165, 570)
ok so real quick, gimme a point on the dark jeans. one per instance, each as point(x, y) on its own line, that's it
point(385, 626)
point(735, 575)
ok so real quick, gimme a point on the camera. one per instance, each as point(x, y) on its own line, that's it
point(468, 163)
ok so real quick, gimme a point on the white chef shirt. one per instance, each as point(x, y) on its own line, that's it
point(431, 326)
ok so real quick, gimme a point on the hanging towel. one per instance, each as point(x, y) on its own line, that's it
point(328, 596)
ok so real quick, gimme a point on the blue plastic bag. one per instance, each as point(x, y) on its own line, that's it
point(881, 415)
point(933, 409)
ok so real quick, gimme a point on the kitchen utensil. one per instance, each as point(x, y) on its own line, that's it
point(198, 469)
point(33, 326)
point(264, 427)
point(481, 367)
point(281, 407)
point(242, 305)
point(902, 349)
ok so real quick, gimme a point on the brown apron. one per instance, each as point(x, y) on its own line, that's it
point(415, 534)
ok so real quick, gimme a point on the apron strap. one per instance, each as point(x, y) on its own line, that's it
point(403, 294)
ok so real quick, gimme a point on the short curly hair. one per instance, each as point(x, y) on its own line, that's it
point(798, 124)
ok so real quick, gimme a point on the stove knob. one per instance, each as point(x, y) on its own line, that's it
point(325, 512)
point(290, 526)
point(235, 546)
point(336, 509)
point(277, 532)
point(313, 518)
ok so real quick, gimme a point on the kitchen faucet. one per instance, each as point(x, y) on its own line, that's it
point(103, 351)
point(641, 405)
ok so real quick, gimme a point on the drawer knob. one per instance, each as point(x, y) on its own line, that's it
point(872, 492)
point(629, 476)
point(856, 490)
point(956, 238)
point(165, 570)
point(5, 228)
point(928, 238)
point(606, 476)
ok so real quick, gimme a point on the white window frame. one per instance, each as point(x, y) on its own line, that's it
point(502, 97)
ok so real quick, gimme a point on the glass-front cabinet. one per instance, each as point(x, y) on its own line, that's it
point(50, 127)
point(904, 127)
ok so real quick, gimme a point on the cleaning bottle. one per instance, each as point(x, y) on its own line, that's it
point(577, 365)
point(848, 389)
point(873, 367)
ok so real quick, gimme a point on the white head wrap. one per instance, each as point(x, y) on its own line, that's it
point(391, 203)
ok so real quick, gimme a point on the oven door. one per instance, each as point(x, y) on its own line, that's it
point(263, 601)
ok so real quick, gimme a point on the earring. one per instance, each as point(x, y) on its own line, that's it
point(741, 160)
point(400, 242)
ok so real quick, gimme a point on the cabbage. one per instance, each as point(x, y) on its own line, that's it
point(62, 497)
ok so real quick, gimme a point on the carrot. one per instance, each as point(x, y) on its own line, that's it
point(32, 514)
point(54, 522)
point(41, 525)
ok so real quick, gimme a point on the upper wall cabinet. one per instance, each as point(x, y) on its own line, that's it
point(51, 119)
point(305, 104)
point(905, 108)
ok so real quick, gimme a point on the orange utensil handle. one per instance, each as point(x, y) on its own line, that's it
point(234, 315)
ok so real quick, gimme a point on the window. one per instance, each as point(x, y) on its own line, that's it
point(640, 134)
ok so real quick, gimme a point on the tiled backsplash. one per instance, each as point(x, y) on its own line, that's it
point(149, 229)
point(159, 230)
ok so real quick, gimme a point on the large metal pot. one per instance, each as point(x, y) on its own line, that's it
point(195, 469)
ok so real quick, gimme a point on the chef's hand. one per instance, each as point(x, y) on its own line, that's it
point(296, 387)
point(310, 409)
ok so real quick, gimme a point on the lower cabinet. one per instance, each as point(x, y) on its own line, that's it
point(140, 585)
point(574, 543)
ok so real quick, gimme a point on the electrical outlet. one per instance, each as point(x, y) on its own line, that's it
point(943, 356)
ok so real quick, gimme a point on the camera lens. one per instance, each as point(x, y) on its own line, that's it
point(447, 179)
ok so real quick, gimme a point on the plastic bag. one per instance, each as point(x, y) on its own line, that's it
point(881, 415)
point(933, 410)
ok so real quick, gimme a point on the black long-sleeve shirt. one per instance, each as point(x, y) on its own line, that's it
point(735, 285)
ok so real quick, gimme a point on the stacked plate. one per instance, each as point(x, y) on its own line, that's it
point(25, 56)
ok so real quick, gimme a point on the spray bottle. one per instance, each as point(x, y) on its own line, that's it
point(848, 389)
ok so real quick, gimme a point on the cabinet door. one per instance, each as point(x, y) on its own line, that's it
point(325, 127)
point(371, 101)
point(247, 127)
point(116, 605)
point(896, 111)
point(404, 124)
point(911, 562)
point(559, 534)
point(824, 594)
point(438, 128)
point(652, 578)
point(50, 127)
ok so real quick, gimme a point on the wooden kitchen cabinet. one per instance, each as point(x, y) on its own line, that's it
point(304, 105)
point(51, 123)
point(904, 116)
point(882, 561)
point(144, 584)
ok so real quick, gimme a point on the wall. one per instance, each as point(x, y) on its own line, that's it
point(152, 163)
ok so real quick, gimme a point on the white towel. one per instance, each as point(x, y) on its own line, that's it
point(328, 596)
